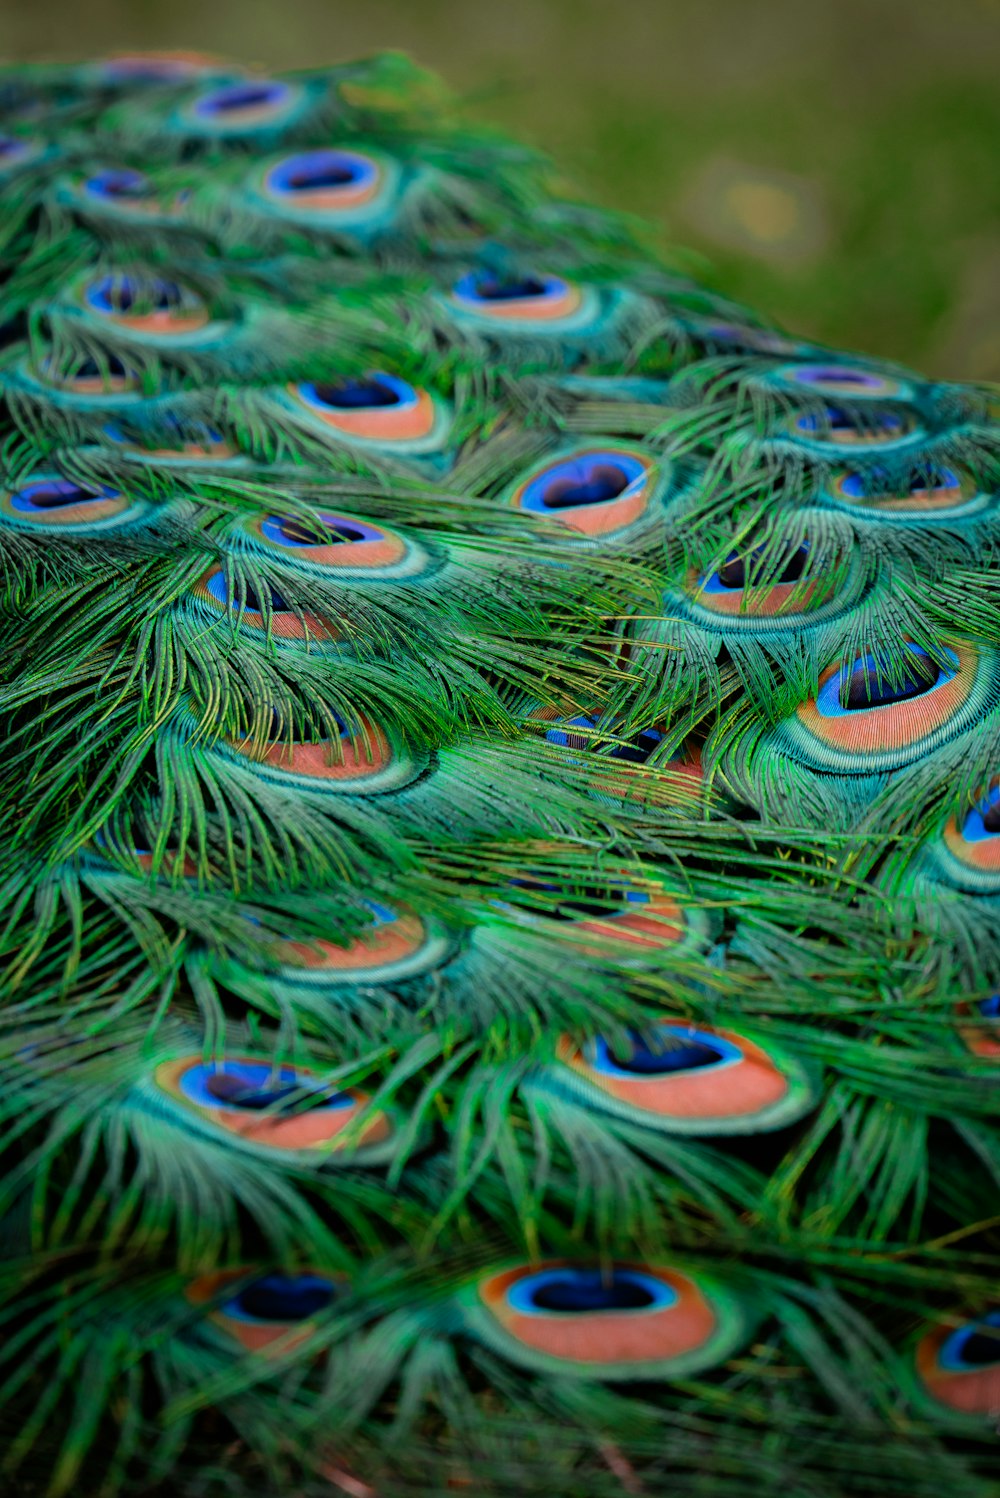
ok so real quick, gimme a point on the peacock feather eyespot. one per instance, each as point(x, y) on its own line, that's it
point(342, 546)
point(326, 186)
point(524, 301)
point(613, 917)
point(749, 594)
point(841, 379)
point(244, 107)
point(360, 761)
point(685, 1079)
point(396, 945)
point(272, 1107)
point(980, 1027)
point(269, 1312)
point(18, 152)
point(594, 491)
point(119, 185)
point(124, 193)
point(959, 1366)
point(191, 442)
point(88, 380)
point(377, 410)
point(152, 69)
point(969, 848)
point(621, 1320)
point(246, 609)
point(834, 426)
point(582, 732)
point(148, 304)
point(873, 683)
point(881, 711)
point(61, 505)
point(928, 490)
point(729, 335)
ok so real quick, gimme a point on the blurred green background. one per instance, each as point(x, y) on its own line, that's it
point(835, 161)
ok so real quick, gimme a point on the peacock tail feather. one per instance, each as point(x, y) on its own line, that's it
point(500, 829)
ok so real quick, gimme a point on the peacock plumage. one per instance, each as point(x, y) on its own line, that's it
point(501, 833)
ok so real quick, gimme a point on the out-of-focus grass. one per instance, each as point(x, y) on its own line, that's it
point(835, 160)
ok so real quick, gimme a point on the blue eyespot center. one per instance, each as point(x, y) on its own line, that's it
point(880, 482)
point(119, 294)
point(636, 751)
point(257, 1086)
point(595, 485)
point(675, 1051)
point(639, 749)
point(314, 171)
point(355, 395)
point(282, 1298)
point(975, 1345)
point(737, 571)
point(839, 374)
point(518, 288)
point(983, 821)
point(868, 686)
point(591, 479)
point(571, 1291)
point(596, 902)
point(288, 530)
point(250, 600)
point(990, 1008)
point(879, 679)
point(119, 183)
point(55, 494)
point(235, 1090)
point(241, 96)
point(835, 419)
point(90, 369)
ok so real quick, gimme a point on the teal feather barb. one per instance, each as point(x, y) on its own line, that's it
point(500, 827)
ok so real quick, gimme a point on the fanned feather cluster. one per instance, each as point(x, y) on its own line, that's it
point(501, 833)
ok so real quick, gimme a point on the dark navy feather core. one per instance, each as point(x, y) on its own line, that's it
point(639, 749)
point(841, 374)
point(118, 294)
point(600, 902)
point(570, 1291)
point(870, 684)
point(313, 171)
point(235, 1090)
point(573, 1292)
point(288, 530)
point(687, 1054)
point(258, 1086)
point(56, 493)
point(490, 290)
point(356, 395)
point(983, 821)
point(90, 369)
point(585, 479)
point(495, 289)
point(835, 419)
point(737, 570)
point(250, 600)
point(873, 483)
point(234, 97)
point(282, 1298)
point(120, 183)
point(975, 1345)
